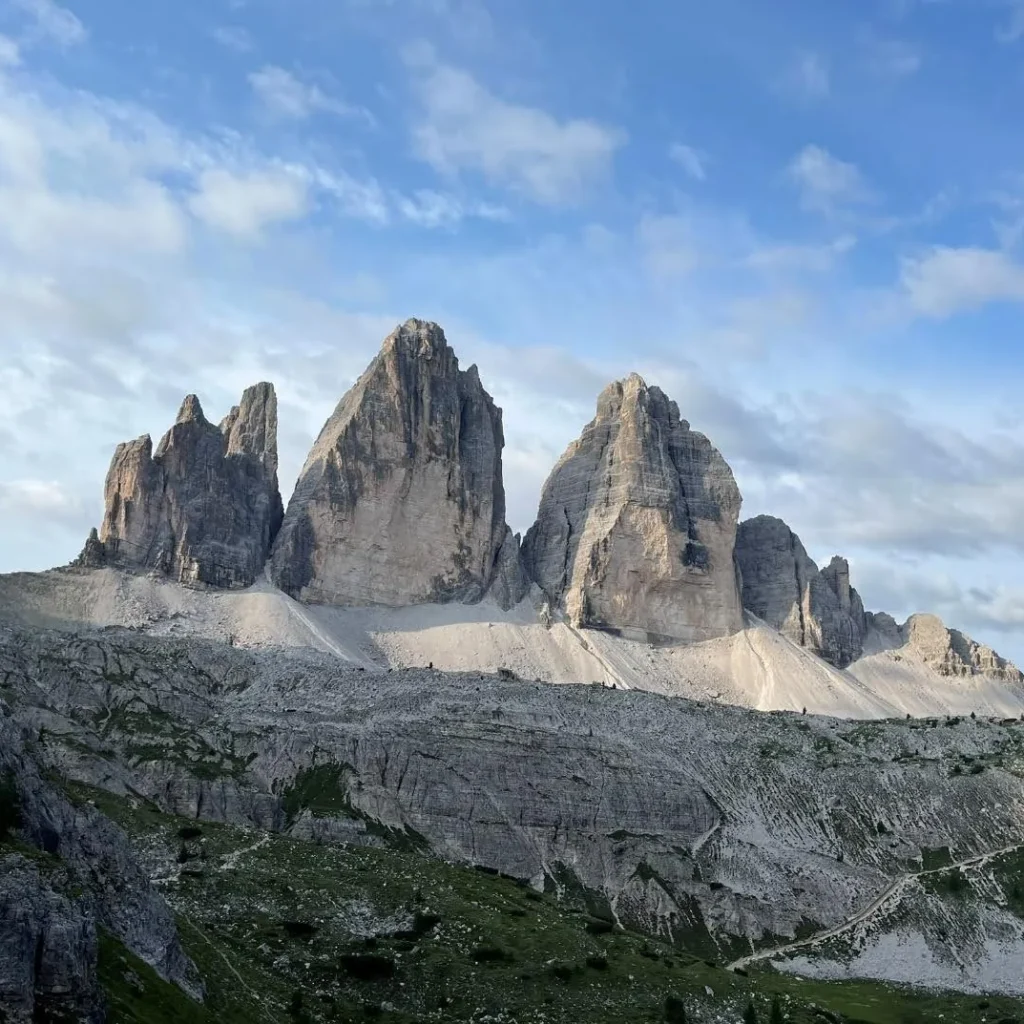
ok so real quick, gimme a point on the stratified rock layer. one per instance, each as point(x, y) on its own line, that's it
point(952, 653)
point(401, 500)
point(782, 586)
point(637, 524)
point(205, 507)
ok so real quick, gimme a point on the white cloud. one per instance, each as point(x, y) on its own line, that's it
point(945, 280)
point(464, 126)
point(691, 160)
point(53, 22)
point(809, 258)
point(245, 204)
point(809, 77)
point(431, 209)
point(284, 95)
point(42, 501)
point(826, 183)
point(234, 37)
point(10, 54)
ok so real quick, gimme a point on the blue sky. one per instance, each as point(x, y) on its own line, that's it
point(803, 220)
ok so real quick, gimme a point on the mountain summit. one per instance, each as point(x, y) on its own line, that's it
point(637, 524)
point(401, 499)
point(205, 507)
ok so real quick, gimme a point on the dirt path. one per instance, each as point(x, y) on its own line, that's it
point(871, 909)
point(231, 860)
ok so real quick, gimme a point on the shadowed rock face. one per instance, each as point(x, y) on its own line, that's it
point(401, 500)
point(782, 586)
point(637, 524)
point(51, 911)
point(205, 507)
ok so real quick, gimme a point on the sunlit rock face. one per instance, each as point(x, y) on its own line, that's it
point(637, 524)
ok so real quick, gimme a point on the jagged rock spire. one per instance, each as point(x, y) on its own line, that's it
point(205, 507)
point(782, 586)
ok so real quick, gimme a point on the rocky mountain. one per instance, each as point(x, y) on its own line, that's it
point(401, 499)
point(637, 524)
point(952, 653)
point(783, 586)
point(205, 507)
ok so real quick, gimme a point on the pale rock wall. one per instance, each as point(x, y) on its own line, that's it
point(637, 524)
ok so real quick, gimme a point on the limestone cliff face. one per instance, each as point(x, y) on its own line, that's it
point(401, 500)
point(782, 586)
point(952, 653)
point(637, 524)
point(205, 506)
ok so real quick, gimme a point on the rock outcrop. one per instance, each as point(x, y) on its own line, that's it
point(782, 586)
point(401, 500)
point(637, 524)
point(952, 653)
point(83, 875)
point(205, 507)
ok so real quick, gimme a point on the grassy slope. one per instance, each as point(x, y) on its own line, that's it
point(274, 930)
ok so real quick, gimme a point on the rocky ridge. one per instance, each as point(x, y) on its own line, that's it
point(401, 500)
point(205, 506)
point(637, 524)
point(710, 826)
point(952, 653)
point(69, 873)
point(782, 586)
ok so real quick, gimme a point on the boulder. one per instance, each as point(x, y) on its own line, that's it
point(401, 500)
point(203, 508)
point(637, 524)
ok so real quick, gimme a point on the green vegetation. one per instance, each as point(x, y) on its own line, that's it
point(283, 930)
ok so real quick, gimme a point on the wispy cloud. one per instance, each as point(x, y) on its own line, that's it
point(53, 22)
point(285, 95)
point(234, 37)
point(693, 161)
point(826, 183)
point(244, 205)
point(464, 126)
point(808, 77)
point(944, 280)
point(891, 58)
point(10, 52)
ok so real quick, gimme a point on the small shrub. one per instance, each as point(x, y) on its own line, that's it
point(675, 1010)
point(563, 971)
point(490, 955)
point(597, 963)
point(367, 966)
